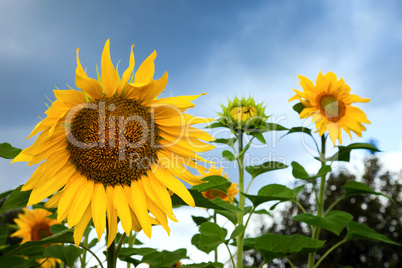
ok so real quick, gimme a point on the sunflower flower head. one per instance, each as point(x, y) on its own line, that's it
point(34, 225)
point(329, 103)
point(215, 193)
point(115, 148)
point(243, 115)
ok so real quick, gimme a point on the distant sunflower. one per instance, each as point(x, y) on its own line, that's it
point(215, 193)
point(329, 103)
point(114, 148)
point(34, 226)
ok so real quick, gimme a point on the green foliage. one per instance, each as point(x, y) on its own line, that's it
point(212, 235)
point(360, 231)
point(299, 130)
point(230, 141)
point(354, 187)
point(257, 170)
point(199, 220)
point(273, 246)
point(238, 230)
point(228, 155)
point(7, 151)
point(343, 153)
point(204, 265)
point(213, 182)
point(67, 254)
point(299, 172)
point(3, 235)
point(201, 201)
point(17, 262)
point(16, 199)
point(164, 258)
point(272, 192)
point(298, 107)
point(334, 221)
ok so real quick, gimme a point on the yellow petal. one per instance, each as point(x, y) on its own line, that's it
point(173, 184)
point(98, 206)
point(80, 203)
point(127, 73)
point(51, 186)
point(109, 77)
point(68, 195)
point(80, 227)
point(111, 216)
point(123, 210)
point(89, 85)
point(138, 201)
point(146, 70)
point(70, 97)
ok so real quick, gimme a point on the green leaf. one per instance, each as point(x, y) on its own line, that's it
point(298, 107)
point(204, 265)
point(165, 258)
point(7, 151)
point(212, 235)
point(199, 220)
point(65, 236)
point(274, 127)
point(5, 194)
point(334, 221)
point(126, 252)
point(360, 231)
point(262, 211)
point(343, 153)
point(273, 246)
point(257, 170)
point(3, 235)
point(228, 155)
point(298, 189)
point(17, 199)
point(230, 141)
point(259, 137)
point(238, 230)
point(57, 228)
point(299, 130)
point(67, 254)
point(195, 240)
point(271, 192)
point(354, 187)
point(231, 216)
point(299, 172)
point(213, 182)
point(201, 201)
point(17, 262)
point(215, 125)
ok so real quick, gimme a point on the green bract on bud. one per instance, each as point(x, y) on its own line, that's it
point(243, 115)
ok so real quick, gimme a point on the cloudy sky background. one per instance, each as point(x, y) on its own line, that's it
point(222, 48)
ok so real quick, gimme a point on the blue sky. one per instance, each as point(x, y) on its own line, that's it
point(222, 48)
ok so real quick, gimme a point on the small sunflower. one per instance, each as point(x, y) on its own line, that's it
point(243, 115)
point(34, 226)
point(329, 103)
point(214, 193)
point(114, 149)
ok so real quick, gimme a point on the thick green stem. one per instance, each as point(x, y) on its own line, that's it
point(131, 241)
point(240, 238)
point(215, 250)
point(320, 203)
point(110, 256)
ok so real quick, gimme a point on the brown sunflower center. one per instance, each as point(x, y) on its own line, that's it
point(113, 140)
point(331, 107)
point(40, 231)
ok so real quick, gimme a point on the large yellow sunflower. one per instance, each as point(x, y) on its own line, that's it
point(114, 149)
point(34, 226)
point(215, 193)
point(329, 103)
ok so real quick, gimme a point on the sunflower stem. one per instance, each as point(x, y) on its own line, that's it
point(215, 250)
point(111, 252)
point(240, 238)
point(320, 203)
point(84, 252)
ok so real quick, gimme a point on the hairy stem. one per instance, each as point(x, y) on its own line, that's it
point(240, 238)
